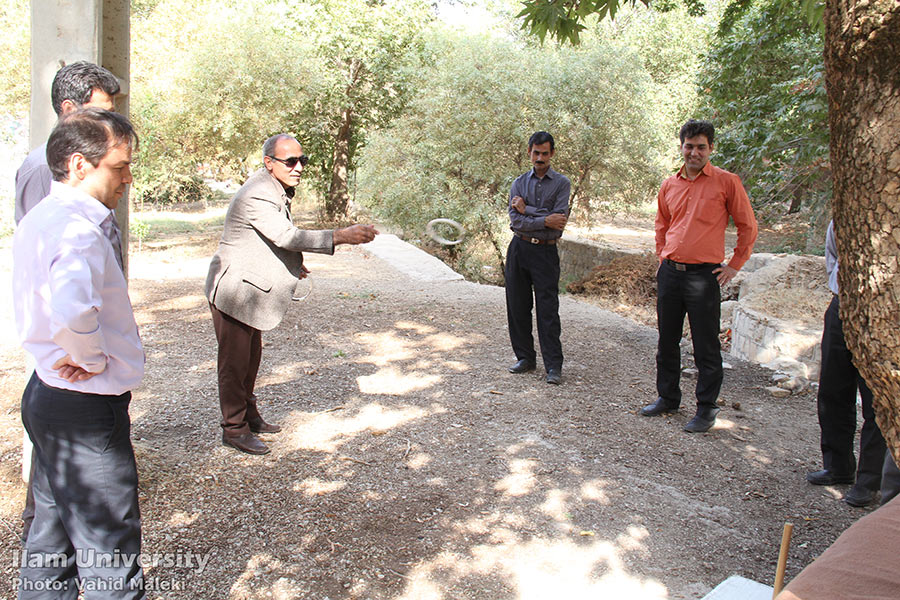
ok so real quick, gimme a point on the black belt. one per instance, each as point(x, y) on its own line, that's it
point(689, 266)
point(531, 240)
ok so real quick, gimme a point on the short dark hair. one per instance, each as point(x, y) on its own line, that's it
point(88, 131)
point(269, 144)
point(693, 128)
point(76, 82)
point(541, 137)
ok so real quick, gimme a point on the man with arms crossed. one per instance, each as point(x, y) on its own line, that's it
point(74, 317)
point(252, 278)
point(693, 210)
point(538, 212)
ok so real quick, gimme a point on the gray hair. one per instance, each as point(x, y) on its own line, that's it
point(269, 145)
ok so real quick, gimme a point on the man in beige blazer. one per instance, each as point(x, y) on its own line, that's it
point(252, 278)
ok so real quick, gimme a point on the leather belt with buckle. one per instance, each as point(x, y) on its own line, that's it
point(689, 266)
point(531, 240)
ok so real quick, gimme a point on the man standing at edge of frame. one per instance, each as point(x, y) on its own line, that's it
point(74, 317)
point(693, 207)
point(839, 381)
point(77, 85)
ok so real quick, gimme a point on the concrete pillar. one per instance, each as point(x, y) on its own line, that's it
point(65, 31)
point(115, 55)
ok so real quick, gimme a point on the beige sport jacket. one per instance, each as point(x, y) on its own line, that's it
point(253, 273)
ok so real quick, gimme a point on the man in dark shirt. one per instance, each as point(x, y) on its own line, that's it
point(538, 212)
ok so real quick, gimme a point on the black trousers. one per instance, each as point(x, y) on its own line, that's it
point(85, 496)
point(694, 293)
point(532, 280)
point(240, 352)
point(838, 383)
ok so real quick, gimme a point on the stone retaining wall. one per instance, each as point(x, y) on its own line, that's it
point(577, 256)
point(756, 337)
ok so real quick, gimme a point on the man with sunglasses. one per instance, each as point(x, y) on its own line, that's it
point(252, 278)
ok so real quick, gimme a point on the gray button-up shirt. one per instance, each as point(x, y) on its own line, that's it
point(543, 196)
point(831, 259)
point(32, 181)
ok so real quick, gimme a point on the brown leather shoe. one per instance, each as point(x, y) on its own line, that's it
point(246, 442)
point(260, 426)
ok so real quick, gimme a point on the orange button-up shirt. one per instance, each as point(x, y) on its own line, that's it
point(692, 215)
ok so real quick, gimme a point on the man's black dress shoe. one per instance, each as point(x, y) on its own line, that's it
point(826, 477)
point(260, 426)
point(703, 420)
point(522, 366)
point(554, 376)
point(659, 407)
point(246, 442)
point(859, 496)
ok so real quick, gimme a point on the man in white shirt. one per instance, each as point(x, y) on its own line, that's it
point(77, 85)
point(74, 317)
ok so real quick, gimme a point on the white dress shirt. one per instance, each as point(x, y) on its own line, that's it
point(70, 295)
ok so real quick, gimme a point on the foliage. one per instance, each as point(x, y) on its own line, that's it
point(763, 84)
point(238, 73)
point(462, 140)
point(666, 43)
point(564, 19)
point(764, 87)
point(360, 50)
point(15, 76)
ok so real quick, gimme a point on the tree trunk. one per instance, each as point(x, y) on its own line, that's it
point(338, 192)
point(862, 71)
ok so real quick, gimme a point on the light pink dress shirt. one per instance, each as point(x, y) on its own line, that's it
point(70, 295)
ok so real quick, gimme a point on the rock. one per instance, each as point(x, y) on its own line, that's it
point(779, 377)
point(792, 367)
point(727, 313)
point(795, 385)
point(690, 372)
point(777, 392)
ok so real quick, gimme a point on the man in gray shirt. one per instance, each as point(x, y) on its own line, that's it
point(838, 384)
point(78, 85)
point(538, 212)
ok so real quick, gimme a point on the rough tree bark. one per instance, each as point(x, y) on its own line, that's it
point(862, 71)
point(338, 192)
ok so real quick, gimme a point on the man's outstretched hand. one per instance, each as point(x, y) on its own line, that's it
point(355, 234)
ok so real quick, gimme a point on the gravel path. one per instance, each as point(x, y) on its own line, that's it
point(413, 466)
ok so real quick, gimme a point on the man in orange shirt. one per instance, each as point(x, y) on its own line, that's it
point(693, 210)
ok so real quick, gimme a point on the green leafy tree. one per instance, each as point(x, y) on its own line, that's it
point(361, 50)
point(462, 139)
point(764, 85)
point(15, 77)
point(327, 72)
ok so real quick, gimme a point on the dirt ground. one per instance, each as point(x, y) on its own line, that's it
point(413, 466)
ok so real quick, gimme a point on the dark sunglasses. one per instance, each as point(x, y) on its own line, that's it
point(291, 162)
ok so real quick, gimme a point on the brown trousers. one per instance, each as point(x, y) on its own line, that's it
point(240, 351)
